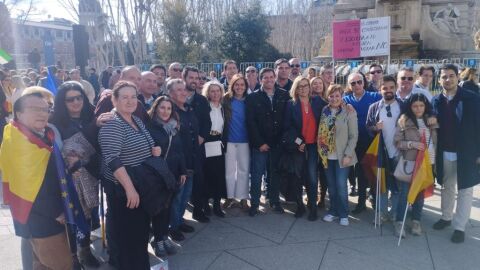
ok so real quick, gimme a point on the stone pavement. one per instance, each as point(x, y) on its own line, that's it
point(272, 241)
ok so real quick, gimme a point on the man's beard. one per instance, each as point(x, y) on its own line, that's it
point(389, 96)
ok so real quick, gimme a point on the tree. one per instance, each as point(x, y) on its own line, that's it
point(244, 36)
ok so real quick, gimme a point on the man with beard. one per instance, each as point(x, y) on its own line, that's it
point(201, 108)
point(382, 117)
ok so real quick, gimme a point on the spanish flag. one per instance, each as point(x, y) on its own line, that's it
point(375, 160)
point(23, 162)
point(422, 177)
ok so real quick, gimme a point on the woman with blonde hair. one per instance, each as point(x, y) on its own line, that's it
point(214, 165)
point(235, 138)
point(469, 79)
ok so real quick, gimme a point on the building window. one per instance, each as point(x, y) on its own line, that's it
point(59, 33)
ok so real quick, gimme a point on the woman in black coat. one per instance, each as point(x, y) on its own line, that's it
point(163, 126)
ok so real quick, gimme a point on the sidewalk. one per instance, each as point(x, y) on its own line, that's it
point(272, 241)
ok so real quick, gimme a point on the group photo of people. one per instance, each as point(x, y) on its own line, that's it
point(132, 153)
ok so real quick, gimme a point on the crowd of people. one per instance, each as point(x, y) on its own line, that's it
point(157, 140)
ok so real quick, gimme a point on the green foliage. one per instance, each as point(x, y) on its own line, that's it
point(244, 36)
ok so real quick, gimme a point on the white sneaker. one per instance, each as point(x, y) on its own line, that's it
point(344, 221)
point(329, 218)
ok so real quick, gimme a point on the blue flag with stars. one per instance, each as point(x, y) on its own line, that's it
point(73, 210)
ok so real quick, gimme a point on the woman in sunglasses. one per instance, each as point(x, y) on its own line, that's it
point(73, 116)
point(412, 126)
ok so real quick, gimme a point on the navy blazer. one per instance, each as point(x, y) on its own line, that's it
point(293, 115)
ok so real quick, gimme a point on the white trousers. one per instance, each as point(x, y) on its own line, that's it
point(237, 168)
point(464, 198)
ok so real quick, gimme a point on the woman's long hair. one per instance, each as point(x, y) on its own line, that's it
point(408, 108)
point(152, 113)
point(60, 115)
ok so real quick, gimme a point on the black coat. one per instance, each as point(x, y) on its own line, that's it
point(468, 114)
point(293, 115)
point(189, 136)
point(265, 119)
point(201, 107)
point(175, 158)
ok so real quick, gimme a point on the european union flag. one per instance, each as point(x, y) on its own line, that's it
point(51, 83)
point(73, 210)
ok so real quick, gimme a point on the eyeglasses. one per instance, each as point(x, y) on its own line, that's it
point(40, 109)
point(359, 82)
point(73, 99)
point(389, 111)
point(251, 71)
point(303, 86)
point(297, 65)
point(406, 78)
point(376, 71)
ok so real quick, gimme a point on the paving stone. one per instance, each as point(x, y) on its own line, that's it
point(228, 261)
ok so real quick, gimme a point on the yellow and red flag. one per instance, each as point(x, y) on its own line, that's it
point(375, 160)
point(422, 177)
point(23, 162)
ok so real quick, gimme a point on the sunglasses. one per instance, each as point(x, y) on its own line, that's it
point(389, 111)
point(203, 78)
point(73, 99)
point(359, 82)
point(297, 65)
point(406, 78)
point(376, 71)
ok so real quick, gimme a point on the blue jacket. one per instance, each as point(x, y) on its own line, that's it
point(293, 115)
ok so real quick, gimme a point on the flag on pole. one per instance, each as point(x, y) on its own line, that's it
point(422, 177)
point(4, 57)
point(376, 158)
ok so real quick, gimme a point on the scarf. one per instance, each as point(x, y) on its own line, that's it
point(326, 134)
point(170, 127)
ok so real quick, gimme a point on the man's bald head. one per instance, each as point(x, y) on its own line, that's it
point(131, 74)
point(148, 85)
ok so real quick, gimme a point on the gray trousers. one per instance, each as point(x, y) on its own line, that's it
point(464, 197)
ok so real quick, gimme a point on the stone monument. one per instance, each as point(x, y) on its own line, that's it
point(421, 28)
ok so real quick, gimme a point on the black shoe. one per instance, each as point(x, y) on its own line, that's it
point(159, 249)
point(76, 263)
point(321, 204)
point(277, 207)
point(300, 211)
point(87, 259)
point(253, 211)
point(207, 210)
point(177, 235)
point(353, 192)
point(458, 237)
point(186, 228)
point(312, 214)
point(200, 217)
point(218, 212)
point(442, 224)
point(359, 208)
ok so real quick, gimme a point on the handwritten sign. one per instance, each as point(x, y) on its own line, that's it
point(361, 38)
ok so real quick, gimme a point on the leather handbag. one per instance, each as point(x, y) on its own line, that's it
point(404, 170)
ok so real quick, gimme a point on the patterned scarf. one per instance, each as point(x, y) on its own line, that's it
point(326, 134)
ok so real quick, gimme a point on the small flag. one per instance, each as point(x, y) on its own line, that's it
point(375, 158)
point(51, 84)
point(4, 57)
point(422, 177)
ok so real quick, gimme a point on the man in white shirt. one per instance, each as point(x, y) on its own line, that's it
point(406, 88)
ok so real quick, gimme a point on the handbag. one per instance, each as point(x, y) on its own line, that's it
point(213, 149)
point(404, 170)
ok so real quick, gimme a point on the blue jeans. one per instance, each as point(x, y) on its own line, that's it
point(179, 203)
point(417, 206)
point(264, 164)
point(392, 187)
point(337, 189)
point(312, 173)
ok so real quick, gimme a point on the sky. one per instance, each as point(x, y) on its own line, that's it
point(43, 9)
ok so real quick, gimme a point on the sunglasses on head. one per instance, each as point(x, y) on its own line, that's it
point(297, 65)
point(73, 99)
point(376, 71)
point(359, 82)
point(406, 78)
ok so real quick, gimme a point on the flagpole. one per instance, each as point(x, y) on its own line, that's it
point(377, 198)
point(403, 225)
point(102, 214)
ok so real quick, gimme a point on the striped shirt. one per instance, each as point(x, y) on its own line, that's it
point(122, 145)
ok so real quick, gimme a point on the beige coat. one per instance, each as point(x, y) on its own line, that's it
point(408, 132)
point(346, 136)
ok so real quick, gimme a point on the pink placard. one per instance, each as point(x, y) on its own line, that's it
point(346, 39)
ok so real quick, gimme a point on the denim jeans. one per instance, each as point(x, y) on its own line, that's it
point(179, 203)
point(392, 187)
point(312, 172)
point(264, 164)
point(417, 206)
point(337, 189)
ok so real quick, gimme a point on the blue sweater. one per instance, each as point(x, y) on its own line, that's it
point(361, 106)
point(238, 127)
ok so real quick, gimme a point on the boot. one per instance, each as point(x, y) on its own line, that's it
point(217, 210)
point(300, 210)
point(312, 214)
point(87, 259)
